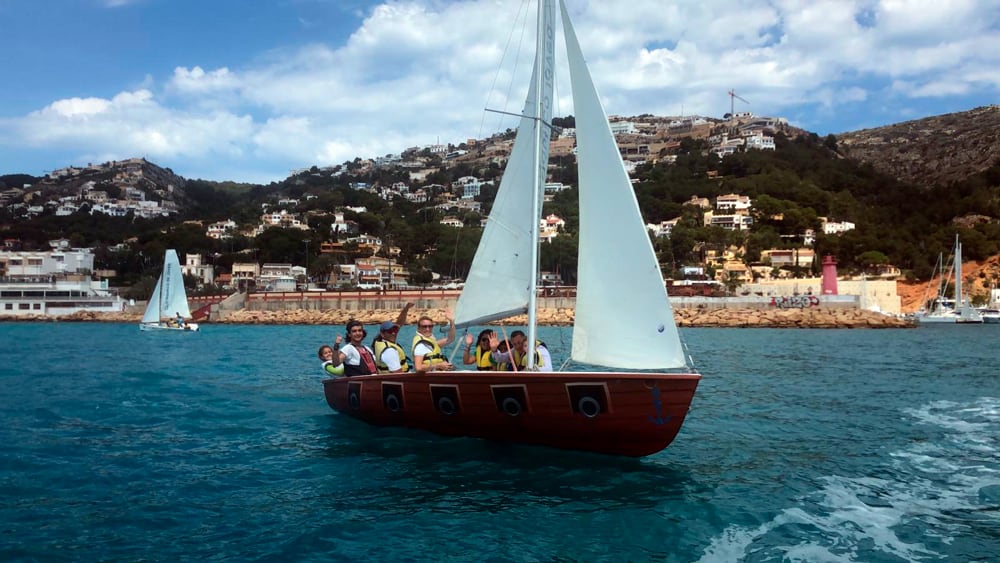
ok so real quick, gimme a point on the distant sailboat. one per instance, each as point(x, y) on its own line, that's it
point(168, 306)
point(944, 309)
point(623, 318)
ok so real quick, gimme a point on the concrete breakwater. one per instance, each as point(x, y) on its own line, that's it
point(816, 317)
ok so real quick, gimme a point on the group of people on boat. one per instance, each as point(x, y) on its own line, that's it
point(386, 355)
point(177, 321)
point(490, 353)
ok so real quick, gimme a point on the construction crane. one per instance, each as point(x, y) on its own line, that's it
point(732, 103)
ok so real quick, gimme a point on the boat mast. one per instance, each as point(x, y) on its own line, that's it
point(958, 274)
point(539, 168)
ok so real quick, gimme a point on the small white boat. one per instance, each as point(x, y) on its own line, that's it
point(990, 316)
point(168, 307)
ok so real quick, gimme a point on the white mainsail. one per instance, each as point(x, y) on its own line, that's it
point(499, 284)
point(623, 317)
point(168, 298)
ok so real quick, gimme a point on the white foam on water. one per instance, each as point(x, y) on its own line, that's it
point(733, 543)
point(849, 518)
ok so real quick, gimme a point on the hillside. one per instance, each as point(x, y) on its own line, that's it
point(795, 189)
point(931, 151)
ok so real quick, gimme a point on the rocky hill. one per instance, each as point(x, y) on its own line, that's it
point(932, 151)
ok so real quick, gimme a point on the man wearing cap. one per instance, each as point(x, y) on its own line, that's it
point(389, 356)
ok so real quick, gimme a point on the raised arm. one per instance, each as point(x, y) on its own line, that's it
point(338, 356)
point(451, 330)
point(498, 356)
point(405, 312)
point(467, 357)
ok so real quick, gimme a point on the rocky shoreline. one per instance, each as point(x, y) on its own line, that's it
point(686, 317)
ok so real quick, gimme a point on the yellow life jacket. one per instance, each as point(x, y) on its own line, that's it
point(484, 359)
point(380, 346)
point(435, 356)
point(521, 361)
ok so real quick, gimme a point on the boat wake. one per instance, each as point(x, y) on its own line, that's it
point(936, 499)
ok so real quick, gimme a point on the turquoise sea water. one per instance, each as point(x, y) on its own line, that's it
point(802, 445)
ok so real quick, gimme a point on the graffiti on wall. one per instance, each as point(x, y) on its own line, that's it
point(795, 302)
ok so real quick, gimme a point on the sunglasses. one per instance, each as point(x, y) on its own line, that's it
point(426, 326)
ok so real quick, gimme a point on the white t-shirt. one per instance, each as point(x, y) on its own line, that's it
point(351, 355)
point(420, 350)
point(391, 359)
point(546, 358)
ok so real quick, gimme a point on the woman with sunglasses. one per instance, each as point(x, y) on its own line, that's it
point(427, 355)
point(483, 357)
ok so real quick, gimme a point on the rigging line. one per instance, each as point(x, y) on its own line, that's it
point(521, 115)
point(510, 355)
point(503, 57)
point(454, 258)
point(459, 340)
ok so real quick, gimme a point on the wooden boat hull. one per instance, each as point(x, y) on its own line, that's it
point(630, 414)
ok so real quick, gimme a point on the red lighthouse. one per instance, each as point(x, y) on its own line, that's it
point(829, 275)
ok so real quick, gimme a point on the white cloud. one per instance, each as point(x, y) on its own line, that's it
point(134, 122)
point(418, 71)
point(196, 81)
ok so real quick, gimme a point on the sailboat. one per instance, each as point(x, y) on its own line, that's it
point(637, 386)
point(168, 306)
point(947, 309)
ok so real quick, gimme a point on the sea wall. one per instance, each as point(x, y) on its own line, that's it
point(815, 317)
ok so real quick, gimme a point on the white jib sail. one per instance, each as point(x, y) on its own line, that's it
point(152, 313)
point(499, 281)
point(623, 316)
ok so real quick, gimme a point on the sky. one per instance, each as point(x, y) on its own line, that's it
point(251, 91)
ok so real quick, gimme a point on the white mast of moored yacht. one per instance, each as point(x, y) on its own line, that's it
point(958, 274)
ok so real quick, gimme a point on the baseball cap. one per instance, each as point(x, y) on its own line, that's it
point(388, 326)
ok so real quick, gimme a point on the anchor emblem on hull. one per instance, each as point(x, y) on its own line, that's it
point(658, 405)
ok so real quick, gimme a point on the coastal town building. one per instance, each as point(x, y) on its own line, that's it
point(245, 275)
point(221, 229)
point(733, 202)
point(789, 258)
point(55, 283)
point(732, 222)
point(663, 228)
point(193, 266)
point(835, 227)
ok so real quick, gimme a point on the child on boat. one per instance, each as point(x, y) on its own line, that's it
point(325, 354)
